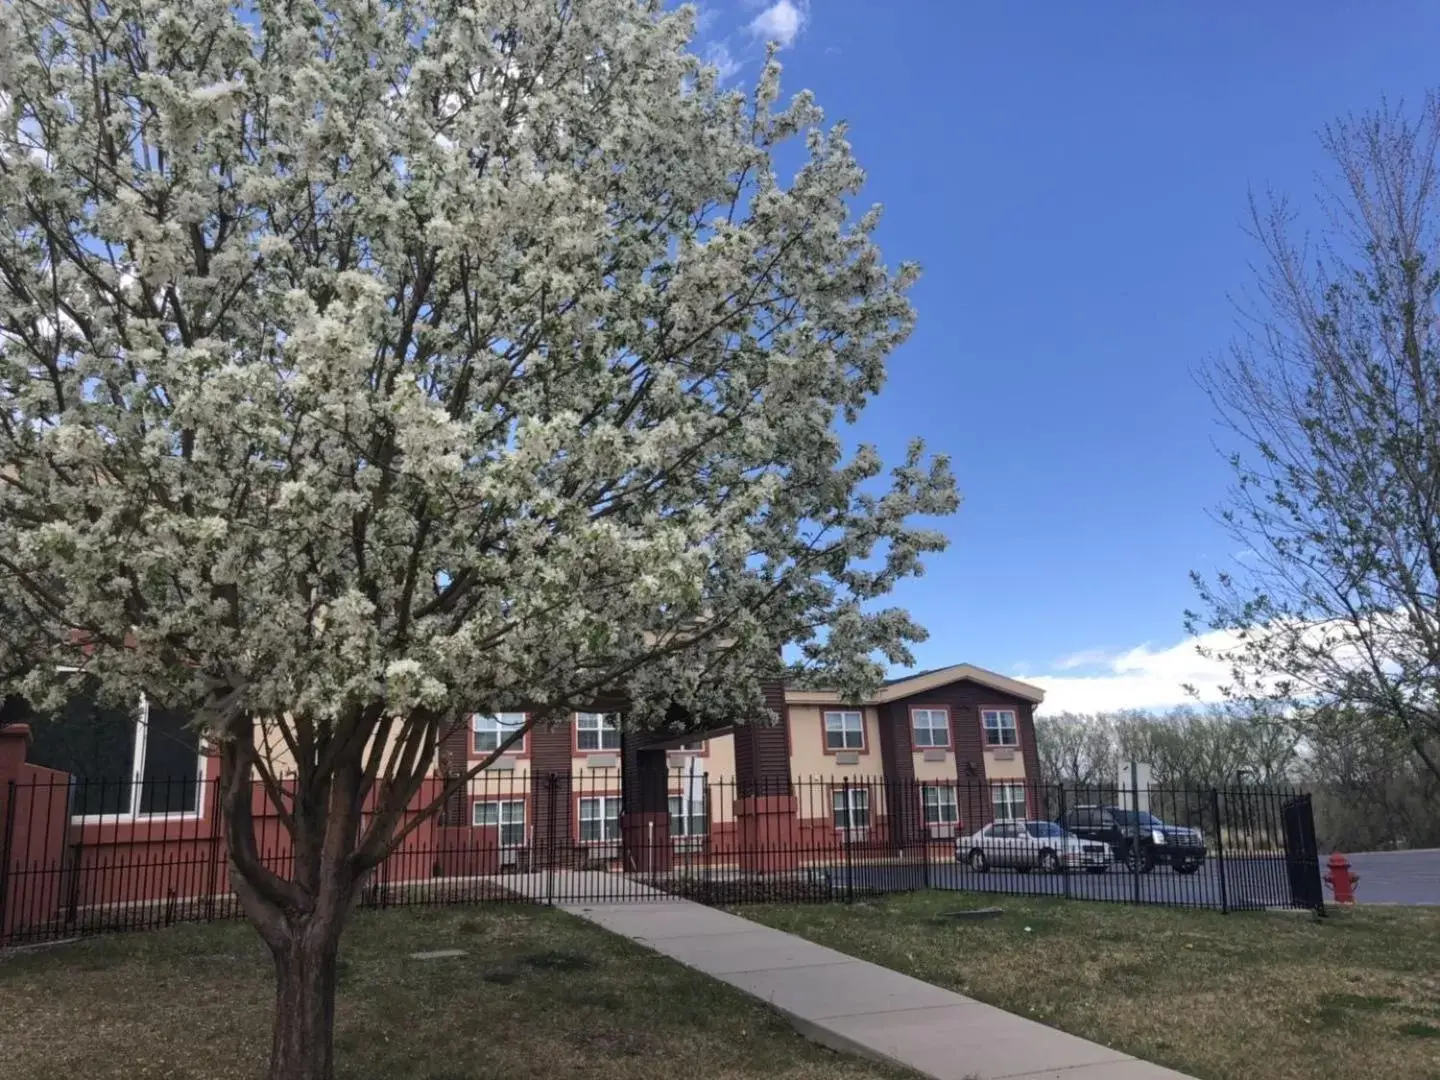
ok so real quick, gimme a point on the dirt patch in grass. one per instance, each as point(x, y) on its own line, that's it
point(720, 893)
point(1250, 996)
point(537, 995)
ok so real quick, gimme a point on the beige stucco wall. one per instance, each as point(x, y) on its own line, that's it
point(270, 745)
point(721, 762)
point(497, 780)
point(717, 761)
point(934, 770)
point(818, 773)
point(1014, 769)
point(272, 749)
point(501, 785)
point(808, 758)
point(521, 770)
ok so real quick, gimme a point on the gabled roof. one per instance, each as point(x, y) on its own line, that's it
point(919, 682)
point(915, 675)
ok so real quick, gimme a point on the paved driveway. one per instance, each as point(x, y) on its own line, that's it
point(1396, 877)
point(1386, 877)
point(1249, 883)
point(1254, 884)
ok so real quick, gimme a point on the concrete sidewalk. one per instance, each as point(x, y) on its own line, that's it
point(860, 1008)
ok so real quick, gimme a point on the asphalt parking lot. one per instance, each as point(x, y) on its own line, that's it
point(1247, 883)
point(1387, 877)
point(1396, 877)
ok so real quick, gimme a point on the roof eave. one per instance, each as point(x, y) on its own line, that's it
point(919, 684)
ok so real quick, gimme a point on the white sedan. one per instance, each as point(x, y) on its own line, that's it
point(1030, 845)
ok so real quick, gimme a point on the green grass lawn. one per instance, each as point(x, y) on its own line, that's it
point(538, 994)
point(1224, 997)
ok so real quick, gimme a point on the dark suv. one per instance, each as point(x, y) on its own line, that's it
point(1181, 848)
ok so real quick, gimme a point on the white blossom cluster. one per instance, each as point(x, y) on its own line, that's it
point(365, 359)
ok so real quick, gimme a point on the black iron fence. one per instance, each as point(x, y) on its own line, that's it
point(84, 857)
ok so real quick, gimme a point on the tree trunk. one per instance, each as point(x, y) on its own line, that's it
point(303, 1046)
point(300, 916)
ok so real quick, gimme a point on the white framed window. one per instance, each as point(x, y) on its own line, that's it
point(1000, 729)
point(508, 816)
point(597, 732)
point(852, 808)
point(127, 761)
point(844, 731)
point(1008, 802)
point(938, 805)
point(688, 816)
point(930, 728)
point(695, 747)
point(599, 819)
point(488, 731)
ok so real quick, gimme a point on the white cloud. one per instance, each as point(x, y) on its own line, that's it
point(1140, 678)
point(1145, 678)
point(717, 55)
point(781, 22)
point(704, 18)
point(1084, 658)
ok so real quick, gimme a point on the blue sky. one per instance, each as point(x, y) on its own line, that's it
point(1073, 178)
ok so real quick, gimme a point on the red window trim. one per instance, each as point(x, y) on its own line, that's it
point(527, 824)
point(948, 785)
point(619, 817)
point(519, 750)
point(949, 746)
point(575, 732)
point(1023, 785)
point(864, 747)
point(959, 808)
point(841, 788)
point(985, 742)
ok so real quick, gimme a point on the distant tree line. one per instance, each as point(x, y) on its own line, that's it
point(1370, 790)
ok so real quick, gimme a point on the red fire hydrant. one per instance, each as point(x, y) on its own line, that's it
point(1341, 879)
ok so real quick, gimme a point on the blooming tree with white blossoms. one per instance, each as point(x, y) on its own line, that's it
point(366, 364)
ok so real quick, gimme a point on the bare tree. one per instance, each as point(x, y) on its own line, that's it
point(1076, 749)
point(1370, 792)
point(1185, 746)
point(1334, 398)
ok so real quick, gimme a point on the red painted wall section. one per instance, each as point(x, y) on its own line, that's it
point(59, 865)
point(467, 851)
point(114, 862)
point(33, 805)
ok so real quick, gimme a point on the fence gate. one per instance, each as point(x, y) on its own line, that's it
point(1302, 856)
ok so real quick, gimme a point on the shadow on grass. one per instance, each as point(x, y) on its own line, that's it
point(536, 995)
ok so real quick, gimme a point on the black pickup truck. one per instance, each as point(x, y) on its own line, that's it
point(1140, 840)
